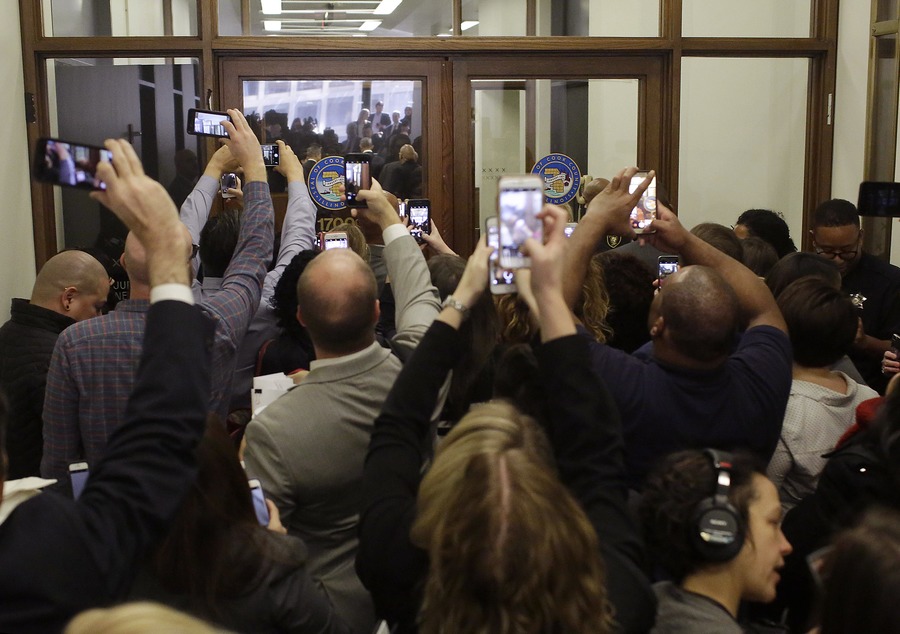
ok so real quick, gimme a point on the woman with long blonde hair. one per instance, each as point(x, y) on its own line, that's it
point(501, 534)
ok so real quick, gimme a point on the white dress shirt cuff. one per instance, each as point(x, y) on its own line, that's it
point(176, 292)
point(393, 232)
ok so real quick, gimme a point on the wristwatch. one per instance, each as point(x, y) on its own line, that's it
point(455, 304)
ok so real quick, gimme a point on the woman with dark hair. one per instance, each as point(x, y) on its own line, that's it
point(630, 288)
point(768, 225)
point(219, 564)
point(496, 537)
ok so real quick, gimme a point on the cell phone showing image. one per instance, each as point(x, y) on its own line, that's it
point(881, 200)
point(207, 123)
point(502, 280)
point(521, 199)
point(259, 502)
point(334, 240)
point(78, 474)
point(229, 181)
point(271, 155)
point(570, 228)
point(667, 265)
point(419, 210)
point(645, 211)
point(69, 164)
point(357, 176)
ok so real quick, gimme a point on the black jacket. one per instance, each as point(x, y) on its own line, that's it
point(26, 345)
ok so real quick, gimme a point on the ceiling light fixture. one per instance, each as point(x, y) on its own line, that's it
point(468, 24)
point(272, 25)
point(370, 25)
point(271, 7)
point(386, 7)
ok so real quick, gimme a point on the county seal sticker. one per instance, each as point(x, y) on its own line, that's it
point(325, 180)
point(561, 177)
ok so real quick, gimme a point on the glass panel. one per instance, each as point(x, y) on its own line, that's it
point(494, 17)
point(884, 109)
point(887, 10)
point(356, 18)
point(583, 114)
point(121, 18)
point(335, 115)
point(739, 18)
point(743, 133)
point(150, 106)
point(604, 18)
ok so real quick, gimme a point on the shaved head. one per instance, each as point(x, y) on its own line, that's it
point(337, 302)
point(701, 313)
point(71, 283)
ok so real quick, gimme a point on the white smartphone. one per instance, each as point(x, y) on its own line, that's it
point(521, 199)
point(78, 474)
point(645, 211)
point(502, 280)
point(259, 502)
point(334, 240)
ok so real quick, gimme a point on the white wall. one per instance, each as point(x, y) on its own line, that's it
point(16, 227)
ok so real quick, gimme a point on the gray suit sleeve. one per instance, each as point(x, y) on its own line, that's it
point(417, 300)
point(195, 211)
point(298, 233)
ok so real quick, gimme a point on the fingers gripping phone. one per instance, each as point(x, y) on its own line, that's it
point(419, 210)
point(259, 502)
point(69, 164)
point(667, 265)
point(502, 280)
point(207, 123)
point(78, 474)
point(521, 199)
point(645, 211)
point(357, 176)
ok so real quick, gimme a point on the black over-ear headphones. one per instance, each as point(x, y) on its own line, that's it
point(717, 532)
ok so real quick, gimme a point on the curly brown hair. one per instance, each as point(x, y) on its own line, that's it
point(510, 550)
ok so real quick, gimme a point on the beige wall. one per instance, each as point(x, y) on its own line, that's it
point(16, 237)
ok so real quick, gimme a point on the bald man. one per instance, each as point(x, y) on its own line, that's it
point(698, 387)
point(71, 286)
point(92, 371)
point(308, 447)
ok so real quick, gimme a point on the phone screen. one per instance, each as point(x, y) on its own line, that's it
point(229, 181)
point(419, 217)
point(502, 280)
point(270, 155)
point(336, 240)
point(207, 123)
point(667, 266)
point(645, 211)
point(519, 206)
point(356, 177)
point(69, 164)
point(259, 502)
point(78, 473)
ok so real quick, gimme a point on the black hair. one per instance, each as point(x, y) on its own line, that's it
point(4, 418)
point(671, 495)
point(771, 227)
point(796, 265)
point(821, 320)
point(284, 298)
point(218, 240)
point(836, 212)
point(629, 284)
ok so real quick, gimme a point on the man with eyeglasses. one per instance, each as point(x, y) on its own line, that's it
point(873, 284)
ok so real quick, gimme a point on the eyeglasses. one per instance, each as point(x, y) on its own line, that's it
point(846, 256)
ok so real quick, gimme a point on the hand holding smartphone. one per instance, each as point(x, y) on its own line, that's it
point(666, 265)
point(69, 164)
point(521, 199)
point(357, 176)
point(419, 210)
point(229, 181)
point(271, 155)
point(502, 281)
point(645, 211)
point(207, 123)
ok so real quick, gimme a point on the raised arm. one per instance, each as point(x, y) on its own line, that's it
point(417, 300)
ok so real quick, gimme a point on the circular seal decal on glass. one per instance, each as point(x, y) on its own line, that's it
point(561, 177)
point(325, 179)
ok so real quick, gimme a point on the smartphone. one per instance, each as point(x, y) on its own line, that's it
point(895, 343)
point(357, 176)
point(645, 211)
point(570, 228)
point(667, 265)
point(229, 181)
point(502, 281)
point(521, 199)
point(271, 155)
point(207, 123)
point(69, 164)
point(334, 240)
point(259, 502)
point(881, 200)
point(419, 210)
point(78, 474)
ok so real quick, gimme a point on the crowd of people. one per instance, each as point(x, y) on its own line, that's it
point(599, 452)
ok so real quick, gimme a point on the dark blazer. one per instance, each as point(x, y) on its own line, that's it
point(60, 557)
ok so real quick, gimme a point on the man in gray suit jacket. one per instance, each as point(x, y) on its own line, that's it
point(308, 447)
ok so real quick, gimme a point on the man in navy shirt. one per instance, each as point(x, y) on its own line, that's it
point(696, 389)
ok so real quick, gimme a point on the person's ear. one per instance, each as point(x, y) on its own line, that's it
point(656, 330)
point(377, 311)
point(300, 317)
point(68, 294)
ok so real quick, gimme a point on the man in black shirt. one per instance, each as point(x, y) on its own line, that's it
point(875, 284)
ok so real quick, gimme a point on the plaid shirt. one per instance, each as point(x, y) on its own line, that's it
point(94, 362)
